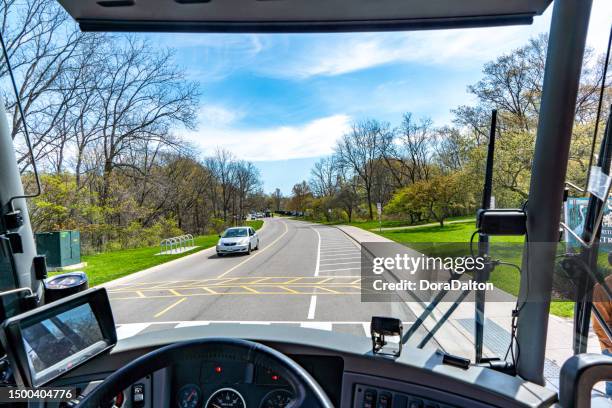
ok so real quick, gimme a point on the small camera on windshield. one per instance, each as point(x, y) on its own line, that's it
point(380, 329)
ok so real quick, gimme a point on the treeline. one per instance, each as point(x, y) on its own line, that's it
point(177, 194)
point(419, 171)
point(102, 113)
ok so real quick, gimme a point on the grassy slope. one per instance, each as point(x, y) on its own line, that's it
point(374, 224)
point(505, 278)
point(107, 266)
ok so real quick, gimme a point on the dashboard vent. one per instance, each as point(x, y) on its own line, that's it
point(116, 3)
point(191, 1)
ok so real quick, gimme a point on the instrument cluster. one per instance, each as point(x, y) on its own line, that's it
point(228, 384)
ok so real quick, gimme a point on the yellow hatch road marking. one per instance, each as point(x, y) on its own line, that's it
point(289, 290)
point(170, 307)
point(250, 289)
point(258, 252)
point(327, 292)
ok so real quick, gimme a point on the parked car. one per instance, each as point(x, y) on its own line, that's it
point(237, 240)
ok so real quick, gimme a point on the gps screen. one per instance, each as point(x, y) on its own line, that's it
point(58, 343)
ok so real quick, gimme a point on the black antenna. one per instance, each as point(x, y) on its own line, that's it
point(488, 182)
point(483, 243)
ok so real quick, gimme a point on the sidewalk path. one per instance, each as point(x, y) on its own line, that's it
point(431, 224)
point(456, 335)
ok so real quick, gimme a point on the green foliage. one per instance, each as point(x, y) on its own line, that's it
point(438, 198)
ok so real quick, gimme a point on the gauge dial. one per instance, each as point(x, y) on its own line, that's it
point(189, 396)
point(226, 398)
point(277, 399)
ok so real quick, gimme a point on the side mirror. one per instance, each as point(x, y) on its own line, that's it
point(578, 376)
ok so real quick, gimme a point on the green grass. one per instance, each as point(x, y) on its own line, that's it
point(504, 277)
point(256, 224)
point(562, 309)
point(374, 224)
point(107, 266)
point(459, 232)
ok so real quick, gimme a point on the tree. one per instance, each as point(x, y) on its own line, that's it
point(439, 197)
point(247, 182)
point(408, 150)
point(43, 43)
point(277, 196)
point(301, 196)
point(347, 197)
point(324, 177)
point(359, 151)
point(142, 96)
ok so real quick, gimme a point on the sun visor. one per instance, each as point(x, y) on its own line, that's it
point(258, 16)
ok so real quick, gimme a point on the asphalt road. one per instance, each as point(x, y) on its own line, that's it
point(303, 274)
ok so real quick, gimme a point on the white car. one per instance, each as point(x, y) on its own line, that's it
point(237, 240)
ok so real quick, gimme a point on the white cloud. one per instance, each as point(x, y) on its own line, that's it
point(459, 47)
point(315, 138)
point(464, 47)
point(218, 116)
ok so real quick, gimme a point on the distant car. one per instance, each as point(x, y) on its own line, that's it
point(237, 240)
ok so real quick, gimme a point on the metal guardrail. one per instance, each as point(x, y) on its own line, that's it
point(176, 245)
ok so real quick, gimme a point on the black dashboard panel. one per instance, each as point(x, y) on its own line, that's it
point(341, 364)
point(327, 370)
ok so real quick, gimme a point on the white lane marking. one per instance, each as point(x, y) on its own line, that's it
point(317, 325)
point(336, 251)
point(341, 269)
point(312, 308)
point(325, 252)
point(336, 247)
point(341, 263)
point(316, 273)
point(130, 329)
point(188, 323)
point(341, 259)
point(313, 299)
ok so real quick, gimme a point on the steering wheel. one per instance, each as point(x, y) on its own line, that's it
point(306, 390)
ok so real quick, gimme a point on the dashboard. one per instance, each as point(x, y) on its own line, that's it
point(344, 366)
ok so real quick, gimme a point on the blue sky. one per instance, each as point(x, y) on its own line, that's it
point(282, 101)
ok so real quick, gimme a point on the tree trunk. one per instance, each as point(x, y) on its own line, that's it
point(106, 180)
